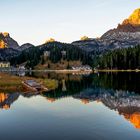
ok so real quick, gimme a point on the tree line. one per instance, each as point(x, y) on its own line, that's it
point(34, 55)
point(127, 58)
point(31, 56)
point(72, 52)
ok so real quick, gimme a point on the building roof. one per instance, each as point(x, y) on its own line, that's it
point(4, 62)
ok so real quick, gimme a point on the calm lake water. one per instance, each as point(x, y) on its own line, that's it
point(84, 107)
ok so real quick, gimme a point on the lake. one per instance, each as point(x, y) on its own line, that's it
point(102, 106)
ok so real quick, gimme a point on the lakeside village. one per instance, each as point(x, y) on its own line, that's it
point(30, 84)
point(6, 66)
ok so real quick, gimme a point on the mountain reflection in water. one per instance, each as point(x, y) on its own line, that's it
point(118, 92)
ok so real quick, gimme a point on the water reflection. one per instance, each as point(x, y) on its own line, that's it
point(118, 92)
point(124, 102)
point(7, 99)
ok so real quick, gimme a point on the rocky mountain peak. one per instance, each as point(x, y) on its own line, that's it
point(6, 41)
point(126, 34)
point(132, 23)
point(134, 18)
point(6, 34)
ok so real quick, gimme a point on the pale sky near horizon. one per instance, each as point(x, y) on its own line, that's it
point(35, 21)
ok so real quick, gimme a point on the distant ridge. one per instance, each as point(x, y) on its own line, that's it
point(127, 34)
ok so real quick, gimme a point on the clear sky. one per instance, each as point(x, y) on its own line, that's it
point(35, 21)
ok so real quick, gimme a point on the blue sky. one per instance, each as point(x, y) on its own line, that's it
point(35, 21)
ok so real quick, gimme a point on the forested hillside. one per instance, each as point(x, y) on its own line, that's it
point(35, 55)
point(128, 58)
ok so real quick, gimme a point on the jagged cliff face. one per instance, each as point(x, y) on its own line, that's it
point(9, 48)
point(131, 24)
point(126, 34)
point(7, 42)
point(134, 18)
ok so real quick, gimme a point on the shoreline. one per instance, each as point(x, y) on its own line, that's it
point(13, 83)
point(57, 71)
point(129, 70)
point(73, 71)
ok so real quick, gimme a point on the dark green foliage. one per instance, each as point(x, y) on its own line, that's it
point(42, 60)
point(128, 58)
point(72, 52)
point(31, 56)
point(55, 54)
point(35, 55)
point(72, 86)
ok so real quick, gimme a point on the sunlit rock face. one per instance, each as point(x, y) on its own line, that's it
point(7, 42)
point(134, 18)
point(8, 47)
point(126, 34)
point(132, 24)
point(5, 34)
point(2, 44)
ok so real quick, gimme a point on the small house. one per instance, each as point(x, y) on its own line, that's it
point(82, 68)
point(47, 54)
point(4, 64)
point(63, 53)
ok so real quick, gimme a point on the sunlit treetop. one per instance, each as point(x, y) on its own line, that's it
point(84, 38)
point(50, 40)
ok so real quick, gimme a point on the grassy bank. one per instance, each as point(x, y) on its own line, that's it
point(63, 64)
point(10, 83)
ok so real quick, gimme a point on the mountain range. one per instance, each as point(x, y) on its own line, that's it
point(127, 34)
